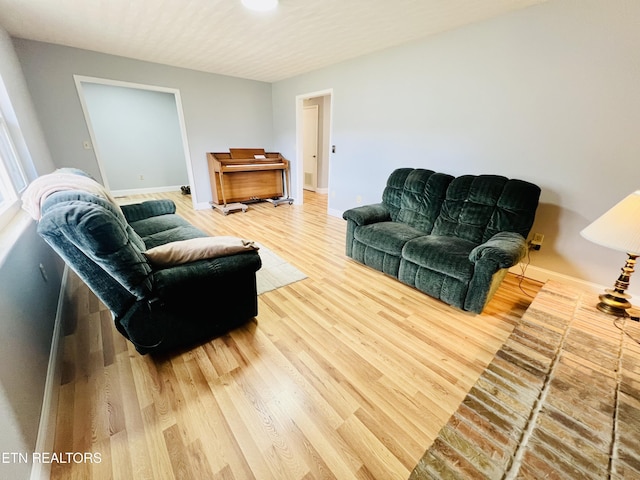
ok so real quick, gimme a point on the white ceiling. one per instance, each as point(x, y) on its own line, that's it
point(221, 36)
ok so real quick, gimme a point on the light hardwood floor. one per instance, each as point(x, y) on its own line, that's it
point(347, 374)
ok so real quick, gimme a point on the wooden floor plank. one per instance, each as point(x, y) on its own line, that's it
point(347, 374)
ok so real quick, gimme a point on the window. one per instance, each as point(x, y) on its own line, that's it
point(12, 177)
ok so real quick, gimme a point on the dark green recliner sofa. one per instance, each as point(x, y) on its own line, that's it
point(157, 308)
point(451, 238)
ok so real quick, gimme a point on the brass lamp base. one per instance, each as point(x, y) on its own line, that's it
point(615, 301)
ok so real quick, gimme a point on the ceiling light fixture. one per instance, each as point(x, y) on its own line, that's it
point(260, 5)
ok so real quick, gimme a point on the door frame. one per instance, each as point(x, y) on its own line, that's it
point(79, 79)
point(299, 180)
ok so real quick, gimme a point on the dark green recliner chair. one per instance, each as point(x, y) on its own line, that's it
point(451, 238)
point(158, 309)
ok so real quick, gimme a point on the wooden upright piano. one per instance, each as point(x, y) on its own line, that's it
point(247, 174)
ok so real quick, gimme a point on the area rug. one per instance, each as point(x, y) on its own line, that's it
point(275, 272)
point(560, 400)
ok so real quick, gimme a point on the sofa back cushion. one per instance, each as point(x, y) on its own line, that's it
point(94, 238)
point(478, 207)
point(415, 196)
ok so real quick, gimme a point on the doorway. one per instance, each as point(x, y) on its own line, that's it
point(313, 128)
point(310, 147)
point(138, 135)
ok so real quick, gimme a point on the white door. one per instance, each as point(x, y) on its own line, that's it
point(310, 147)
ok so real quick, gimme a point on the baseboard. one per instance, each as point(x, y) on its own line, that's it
point(543, 275)
point(47, 425)
point(334, 213)
point(139, 191)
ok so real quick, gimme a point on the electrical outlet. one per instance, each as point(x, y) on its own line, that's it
point(141, 177)
point(536, 242)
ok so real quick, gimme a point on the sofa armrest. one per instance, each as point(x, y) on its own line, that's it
point(150, 208)
point(505, 249)
point(368, 214)
point(220, 290)
point(181, 279)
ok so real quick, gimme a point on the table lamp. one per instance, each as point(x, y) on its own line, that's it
point(619, 229)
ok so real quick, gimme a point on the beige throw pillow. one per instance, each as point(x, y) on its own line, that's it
point(184, 251)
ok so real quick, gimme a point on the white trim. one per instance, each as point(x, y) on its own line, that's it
point(118, 83)
point(142, 191)
point(78, 79)
point(322, 191)
point(9, 160)
point(47, 426)
point(334, 213)
point(543, 275)
point(185, 145)
point(203, 206)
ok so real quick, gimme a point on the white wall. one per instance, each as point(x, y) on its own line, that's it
point(28, 304)
point(27, 300)
point(549, 94)
point(138, 136)
point(220, 112)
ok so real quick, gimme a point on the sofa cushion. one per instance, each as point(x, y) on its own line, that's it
point(181, 232)
point(447, 255)
point(392, 193)
point(414, 196)
point(91, 226)
point(135, 239)
point(387, 237)
point(152, 225)
point(478, 207)
point(135, 212)
point(422, 198)
point(514, 209)
point(186, 251)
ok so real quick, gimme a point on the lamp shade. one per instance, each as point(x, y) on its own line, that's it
point(618, 228)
